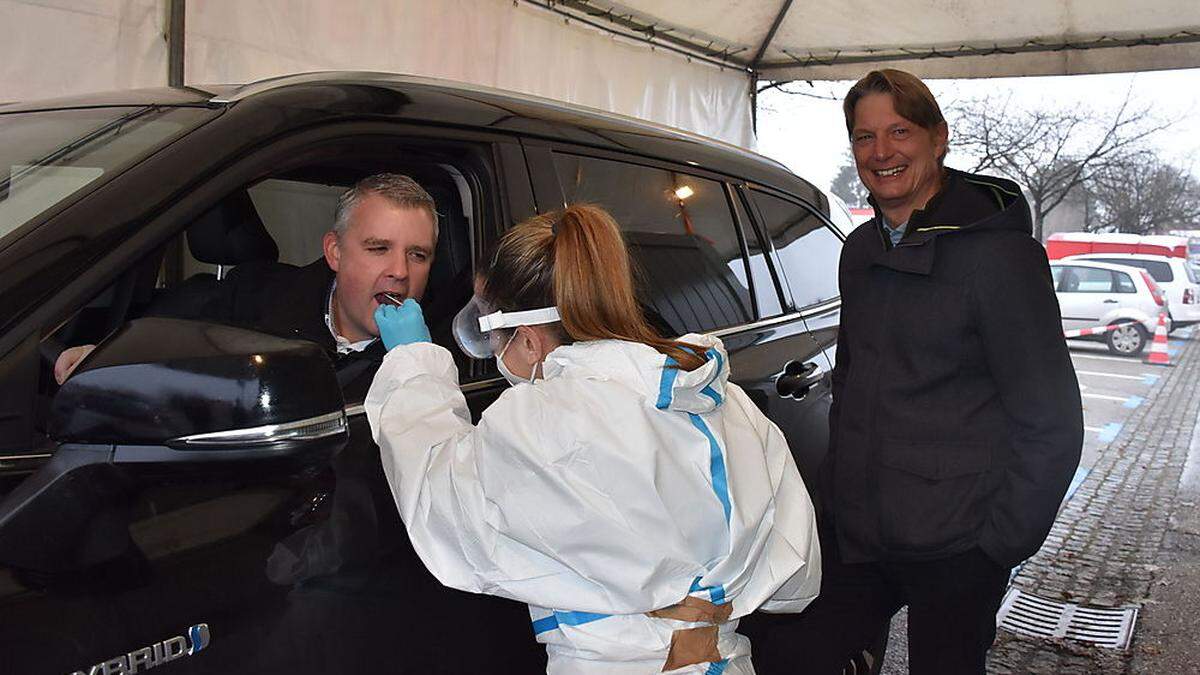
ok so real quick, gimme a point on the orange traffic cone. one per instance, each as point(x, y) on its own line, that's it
point(1158, 351)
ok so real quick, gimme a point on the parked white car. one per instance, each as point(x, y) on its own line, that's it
point(1092, 294)
point(1174, 275)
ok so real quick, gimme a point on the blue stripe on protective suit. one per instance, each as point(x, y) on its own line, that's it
point(715, 593)
point(667, 384)
point(565, 619)
point(716, 464)
point(708, 390)
point(717, 667)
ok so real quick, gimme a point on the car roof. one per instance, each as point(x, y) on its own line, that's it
point(1099, 265)
point(1131, 256)
point(451, 103)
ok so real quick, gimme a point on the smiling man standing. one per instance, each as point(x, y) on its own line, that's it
point(956, 423)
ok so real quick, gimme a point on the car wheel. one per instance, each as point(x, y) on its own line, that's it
point(1127, 339)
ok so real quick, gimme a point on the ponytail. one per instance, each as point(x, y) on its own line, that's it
point(576, 260)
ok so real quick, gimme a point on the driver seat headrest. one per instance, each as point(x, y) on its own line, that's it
point(231, 233)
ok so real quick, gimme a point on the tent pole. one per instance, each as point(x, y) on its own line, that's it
point(762, 50)
point(175, 15)
point(754, 103)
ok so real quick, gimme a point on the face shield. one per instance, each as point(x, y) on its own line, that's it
point(476, 326)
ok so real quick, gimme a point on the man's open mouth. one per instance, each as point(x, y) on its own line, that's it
point(389, 299)
point(887, 173)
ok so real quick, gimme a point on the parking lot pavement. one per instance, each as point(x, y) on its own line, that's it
point(1111, 387)
point(1105, 548)
point(1138, 421)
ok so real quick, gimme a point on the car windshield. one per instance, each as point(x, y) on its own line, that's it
point(48, 156)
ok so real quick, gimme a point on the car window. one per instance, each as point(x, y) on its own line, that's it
point(692, 274)
point(808, 250)
point(1086, 280)
point(296, 214)
point(1159, 271)
point(1124, 283)
point(1191, 273)
point(766, 294)
point(1057, 273)
point(47, 156)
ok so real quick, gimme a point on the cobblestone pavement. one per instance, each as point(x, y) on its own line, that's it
point(1105, 544)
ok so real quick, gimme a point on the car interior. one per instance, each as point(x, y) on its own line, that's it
point(281, 218)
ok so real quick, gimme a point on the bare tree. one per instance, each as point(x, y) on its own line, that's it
point(847, 184)
point(1049, 151)
point(1144, 195)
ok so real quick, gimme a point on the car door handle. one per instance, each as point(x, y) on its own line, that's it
point(797, 379)
point(1110, 301)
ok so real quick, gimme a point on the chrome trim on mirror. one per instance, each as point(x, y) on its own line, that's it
point(321, 426)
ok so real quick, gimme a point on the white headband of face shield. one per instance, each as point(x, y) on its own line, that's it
point(473, 326)
point(529, 317)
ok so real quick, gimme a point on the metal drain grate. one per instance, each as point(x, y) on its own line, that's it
point(1031, 615)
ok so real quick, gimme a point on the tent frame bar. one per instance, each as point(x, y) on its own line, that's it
point(1032, 46)
point(655, 35)
point(176, 12)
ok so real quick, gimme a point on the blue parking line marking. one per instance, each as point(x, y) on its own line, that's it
point(1133, 401)
point(1080, 474)
point(1149, 380)
point(1110, 431)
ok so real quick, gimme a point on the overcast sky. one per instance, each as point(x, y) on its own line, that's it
point(809, 135)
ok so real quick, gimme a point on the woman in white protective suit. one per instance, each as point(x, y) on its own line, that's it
point(623, 487)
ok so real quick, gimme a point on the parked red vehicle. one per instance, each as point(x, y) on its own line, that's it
point(1063, 244)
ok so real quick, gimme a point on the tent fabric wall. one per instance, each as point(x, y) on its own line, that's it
point(488, 42)
point(51, 48)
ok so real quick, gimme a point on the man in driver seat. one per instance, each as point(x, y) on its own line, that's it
point(380, 250)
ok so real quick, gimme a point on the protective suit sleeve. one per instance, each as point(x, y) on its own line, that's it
point(420, 420)
point(795, 516)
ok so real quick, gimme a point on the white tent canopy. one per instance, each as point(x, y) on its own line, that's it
point(685, 63)
point(782, 39)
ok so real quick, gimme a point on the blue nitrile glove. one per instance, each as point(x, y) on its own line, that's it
point(401, 325)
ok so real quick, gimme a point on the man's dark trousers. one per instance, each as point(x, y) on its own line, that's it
point(952, 604)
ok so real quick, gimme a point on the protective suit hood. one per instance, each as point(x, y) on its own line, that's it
point(644, 369)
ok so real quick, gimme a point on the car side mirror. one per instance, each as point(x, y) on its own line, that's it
point(174, 398)
point(174, 389)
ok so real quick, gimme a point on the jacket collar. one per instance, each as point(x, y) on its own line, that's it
point(965, 202)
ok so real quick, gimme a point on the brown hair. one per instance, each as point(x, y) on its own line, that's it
point(911, 98)
point(575, 259)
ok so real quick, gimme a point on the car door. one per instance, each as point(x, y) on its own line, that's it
point(297, 568)
point(703, 268)
point(806, 250)
point(1085, 295)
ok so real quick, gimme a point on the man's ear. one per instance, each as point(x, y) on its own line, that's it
point(941, 138)
point(332, 248)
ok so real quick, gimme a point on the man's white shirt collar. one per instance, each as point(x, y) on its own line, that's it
point(343, 345)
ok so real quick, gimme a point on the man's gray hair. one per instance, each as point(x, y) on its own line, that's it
point(398, 189)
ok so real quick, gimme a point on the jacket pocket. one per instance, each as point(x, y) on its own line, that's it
point(933, 495)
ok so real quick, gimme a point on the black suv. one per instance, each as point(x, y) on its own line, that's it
point(206, 498)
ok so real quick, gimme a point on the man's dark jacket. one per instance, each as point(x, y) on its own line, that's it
point(283, 300)
point(956, 419)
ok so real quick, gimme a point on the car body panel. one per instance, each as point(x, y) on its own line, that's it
point(1182, 313)
point(1092, 308)
point(309, 568)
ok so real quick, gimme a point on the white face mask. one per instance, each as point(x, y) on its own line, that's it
point(512, 377)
